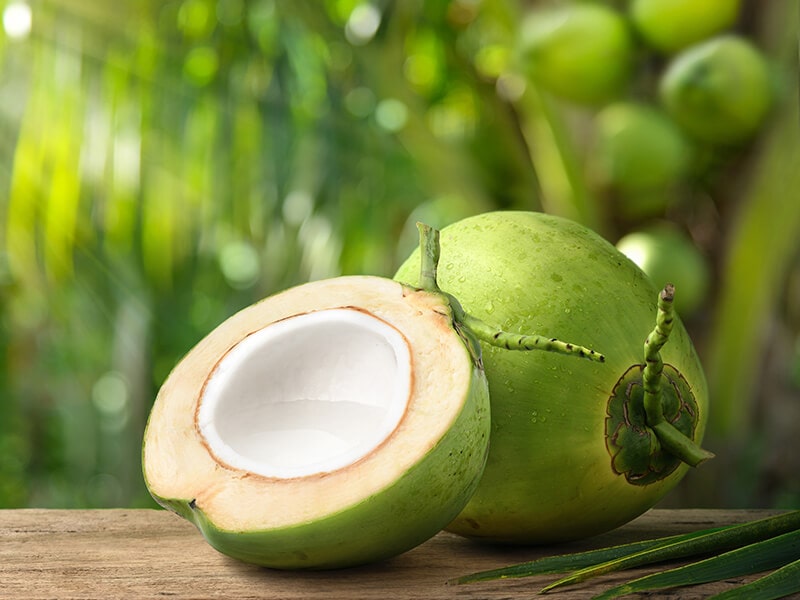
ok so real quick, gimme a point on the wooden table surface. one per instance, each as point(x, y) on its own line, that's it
point(119, 553)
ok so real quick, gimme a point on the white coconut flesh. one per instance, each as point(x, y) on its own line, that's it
point(307, 403)
point(309, 394)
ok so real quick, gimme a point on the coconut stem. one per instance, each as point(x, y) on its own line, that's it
point(517, 341)
point(430, 252)
point(672, 440)
point(429, 257)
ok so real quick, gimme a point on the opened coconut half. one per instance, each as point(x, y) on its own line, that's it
point(337, 423)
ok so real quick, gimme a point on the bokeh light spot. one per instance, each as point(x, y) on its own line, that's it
point(391, 114)
point(17, 20)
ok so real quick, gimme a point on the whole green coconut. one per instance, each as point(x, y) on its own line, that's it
point(639, 149)
point(572, 450)
point(666, 253)
point(718, 91)
point(580, 52)
point(670, 25)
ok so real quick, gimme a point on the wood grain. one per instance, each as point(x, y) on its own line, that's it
point(119, 553)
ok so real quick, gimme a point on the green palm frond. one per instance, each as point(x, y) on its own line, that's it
point(733, 551)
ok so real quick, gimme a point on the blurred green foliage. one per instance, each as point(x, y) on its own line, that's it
point(164, 164)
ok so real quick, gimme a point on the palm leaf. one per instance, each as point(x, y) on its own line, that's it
point(754, 558)
point(777, 584)
point(747, 548)
point(565, 563)
point(705, 542)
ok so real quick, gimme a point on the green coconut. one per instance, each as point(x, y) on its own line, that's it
point(577, 447)
point(671, 25)
point(665, 253)
point(337, 423)
point(580, 52)
point(718, 91)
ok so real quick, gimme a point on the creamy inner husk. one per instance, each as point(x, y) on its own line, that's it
point(309, 394)
point(194, 448)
